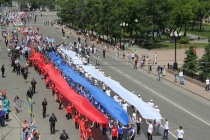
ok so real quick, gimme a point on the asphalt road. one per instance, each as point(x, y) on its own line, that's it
point(180, 106)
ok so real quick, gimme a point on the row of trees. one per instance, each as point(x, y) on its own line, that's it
point(194, 65)
point(34, 4)
point(142, 17)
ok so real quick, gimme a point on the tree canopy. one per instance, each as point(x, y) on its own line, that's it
point(143, 17)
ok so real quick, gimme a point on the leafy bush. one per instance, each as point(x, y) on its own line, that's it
point(184, 40)
point(157, 39)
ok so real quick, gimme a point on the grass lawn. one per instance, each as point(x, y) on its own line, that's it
point(169, 45)
point(203, 33)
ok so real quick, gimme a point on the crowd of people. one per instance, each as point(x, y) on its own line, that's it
point(33, 41)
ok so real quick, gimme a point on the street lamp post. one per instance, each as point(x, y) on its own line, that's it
point(123, 25)
point(175, 35)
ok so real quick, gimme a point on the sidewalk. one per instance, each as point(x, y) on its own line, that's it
point(165, 58)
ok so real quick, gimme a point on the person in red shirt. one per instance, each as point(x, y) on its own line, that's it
point(89, 131)
point(82, 125)
point(104, 128)
point(69, 111)
point(37, 29)
point(4, 93)
point(76, 119)
point(114, 132)
point(84, 136)
point(60, 97)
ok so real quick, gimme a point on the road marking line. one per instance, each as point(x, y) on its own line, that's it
point(177, 105)
point(119, 71)
point(136, 81)
point(127, 76)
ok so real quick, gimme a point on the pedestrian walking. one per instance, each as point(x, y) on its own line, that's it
point(69, 111)
point(164, 71)
point(175, 76)
point(6, 42)
point(64, 135)
point(29, 93)
point(120, 132)
point(25, 75)
point(52, 121)
point(166, 128)
point(6, 110)
point(82, 125)
point(104, 53)
point(104, 129)
point(181, 77)
point(2, 71)
point(157, 122)
point(44, 107)
point(180, 132)
point(149, 130)
point(2, 117)
point(207, 84)
point(132, 132)
point(76, 119)
point(114, 130)
point(25, 126)
point(60, 97)
point(15, 100)
point(138, 124)
point(33, 85)
point(89, 131)
point(135, 63)
point(159, 72)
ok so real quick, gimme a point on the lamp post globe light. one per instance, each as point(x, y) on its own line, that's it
point(175, 35)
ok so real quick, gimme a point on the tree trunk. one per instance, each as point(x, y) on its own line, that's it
point(147, 39)
point(185, 29)
point(107, 36)
point(193, 24)
point(201, 25)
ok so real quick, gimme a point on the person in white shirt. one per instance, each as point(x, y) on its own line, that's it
point(115, 97)
point(156, 55)
point(16, 61)
point(207, 84)
point(125, 106)
point(89, 78)
point(151, 103)
point(95, 82)
point(134, 116)
point(181, 78)
point(166, 128)
point(103, 87)
point(108, 91)
point(180, 133)
point(86, 75)
point(149, 130)
point(119, 101)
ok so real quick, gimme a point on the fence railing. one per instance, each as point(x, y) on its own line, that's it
point(189, 74)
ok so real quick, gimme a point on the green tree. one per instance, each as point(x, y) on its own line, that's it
point(202, 11)
point(183, 12)
point(190, 61)
point(204, 63)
